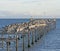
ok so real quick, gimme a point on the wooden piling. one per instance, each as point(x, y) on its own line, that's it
point(32, 38)
point(23, 43)
point(2, 41)
point(28, 39)
point(16, 42)
point(38, 33)
point(7, 45)
point(35, 35)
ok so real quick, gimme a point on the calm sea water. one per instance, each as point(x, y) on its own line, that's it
point(4, 22)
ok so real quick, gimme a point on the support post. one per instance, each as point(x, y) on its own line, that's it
point(38, 33)
point(32, 38)
point(28, 39)
point(35, 36)
point(16, 43)
point(2, 41)
point(8, 45)
point(23, 43)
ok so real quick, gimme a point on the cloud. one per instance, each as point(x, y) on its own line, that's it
point(30, 7)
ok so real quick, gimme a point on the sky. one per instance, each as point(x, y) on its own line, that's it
point(29, 8)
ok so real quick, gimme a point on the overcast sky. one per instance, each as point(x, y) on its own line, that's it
point(25, 8)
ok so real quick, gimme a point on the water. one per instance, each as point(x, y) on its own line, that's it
point(4, 22)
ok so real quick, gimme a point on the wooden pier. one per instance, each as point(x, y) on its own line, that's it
point(34, 30)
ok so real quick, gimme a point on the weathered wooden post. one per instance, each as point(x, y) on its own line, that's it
point(16, 42)
point(45, 30)
point(23, 35)
point(35, 34)
point(23, 42)
point(28, 39)
point(41, 32)
point(32, 37)
point(2, 37)
point(8, 45)
point(38, 33)
point(2, 41)
point(28, 36)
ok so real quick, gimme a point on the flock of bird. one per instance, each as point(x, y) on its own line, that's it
point(18, 27)
point(41, 26)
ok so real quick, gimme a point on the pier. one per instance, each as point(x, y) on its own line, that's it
point(23, 36)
